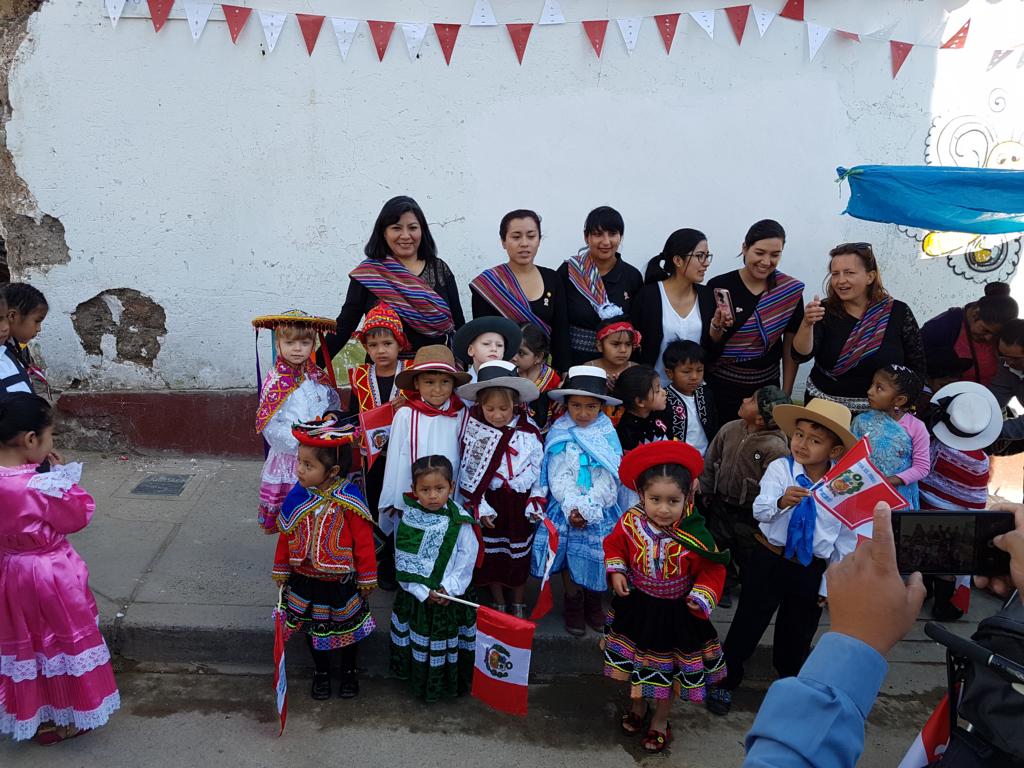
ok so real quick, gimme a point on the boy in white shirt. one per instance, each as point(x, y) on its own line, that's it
point(797, 538)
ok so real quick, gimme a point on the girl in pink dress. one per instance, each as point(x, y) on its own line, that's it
point(55, 674)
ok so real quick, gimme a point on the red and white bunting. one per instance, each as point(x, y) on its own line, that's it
point(705, 20)
point(159, 10)
point(552, 13)
point(381, 31)
point(447, 34)
point(816, 34)
point(899, 52)
point(344, 33)
point(414, 35)
point(595, 32)
point(520, 35)
point(960, 38)
point(114, 9)
point(882, 33)
point(310, 25)
point(667, 23)
point(197, 14)
point(794, 9)
point(273, 23)
point(236, 16)
point(737, 16)
point(483, 15)
point(630, 29)
point(997, 58)
point(762, 18)
point(848, 35)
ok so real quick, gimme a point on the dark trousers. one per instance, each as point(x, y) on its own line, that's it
point(322, 659)
point(733, 528)
point(772, 583)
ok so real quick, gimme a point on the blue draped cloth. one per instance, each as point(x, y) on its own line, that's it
point(892, 450)
point(978, 201)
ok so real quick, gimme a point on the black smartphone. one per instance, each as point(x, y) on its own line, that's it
point(951, 542)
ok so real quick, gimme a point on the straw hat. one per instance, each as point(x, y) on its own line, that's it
point(965, 415)
point(502, 326)
point(295, 317)
point(435, 358)
point(498, 373)
point(643, 457)
point(826, 413)
point(586, 381)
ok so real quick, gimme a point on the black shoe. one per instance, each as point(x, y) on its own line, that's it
point(349, 685)
point(718, 701)
point(321, 689)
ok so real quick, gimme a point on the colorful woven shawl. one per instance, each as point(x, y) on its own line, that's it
point(599, 443)
point(281, 382)
point(302, 501)
point(865, 338)
point(500, 288)
point(547, 379)
point(767, 322)
point(586, 278)
point(416, 302)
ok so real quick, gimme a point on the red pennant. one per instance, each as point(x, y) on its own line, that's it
point(794, 10)
point(595, 31)
point(159, 10)
point(310, 26)
point(738, 18)
point(520, 34)
point(960, 38)
point(381, 33)
point(446, 35)
point(667, 24)
point(236, 17)
point(899, 54)
point(848, 35)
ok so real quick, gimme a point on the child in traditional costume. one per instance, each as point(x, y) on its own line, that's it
point(667, 575)
point(617, 339)
point(485, 339)
point(55, 679)
point(499, 478)
point(691, 408)
point(531, 361)
point(643, 398)
point(433, 639)
point(329, 556)
point(580, 474)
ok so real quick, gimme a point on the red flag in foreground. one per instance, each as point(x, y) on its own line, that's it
point(852, 488)
point(376, 426)
point(544, 601)
point(280, 679)
point(932, 740)
point(961, 598)
point(502, 671)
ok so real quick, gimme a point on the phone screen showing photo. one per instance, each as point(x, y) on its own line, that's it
point(952, 544)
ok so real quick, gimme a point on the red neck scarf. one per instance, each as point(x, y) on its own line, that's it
point(420, 405)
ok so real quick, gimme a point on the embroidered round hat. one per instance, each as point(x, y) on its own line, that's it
point(643, 457)
point(433, 358)
point(329, 431)
point(823, 412)
point(502, 326)
point(382, 315)
point(585, 381)
point(965, 415)
point(295, 317)
point(499, 373)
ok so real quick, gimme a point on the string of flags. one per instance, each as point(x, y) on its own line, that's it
point(197, 14)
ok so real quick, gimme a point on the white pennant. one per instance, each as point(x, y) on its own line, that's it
point(198, 14)
point(706, 19)
point(882, 33)
point(816, 34)
point(997, 57)
point(414, 34)
point(114, 8)
point(630, 29)
point(345, 33)
point(552, 13)
point(483, 15)
point(273, 23)
point(763, 18)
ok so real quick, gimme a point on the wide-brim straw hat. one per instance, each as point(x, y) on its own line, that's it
point(585, 381)
point(828, 414)
point(502, 326)
point(499, 373)
point(295, 317)
point(433, 358)
point(643, 457)
point(965, 415)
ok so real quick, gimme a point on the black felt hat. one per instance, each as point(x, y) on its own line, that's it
point(502, 326)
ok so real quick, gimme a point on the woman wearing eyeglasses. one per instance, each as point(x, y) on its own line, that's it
point(768, 309)
point(856, 330)
point(673, 304)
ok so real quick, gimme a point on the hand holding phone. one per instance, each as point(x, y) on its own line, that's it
point(951, 542)
point(723, 301)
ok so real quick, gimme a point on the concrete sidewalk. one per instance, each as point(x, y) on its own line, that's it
point(186, 578)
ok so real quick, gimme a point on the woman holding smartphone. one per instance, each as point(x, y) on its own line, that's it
point(767, 309)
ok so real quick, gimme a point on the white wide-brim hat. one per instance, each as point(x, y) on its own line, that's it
point(966, 416)
point(585, 381)
point(499, 373)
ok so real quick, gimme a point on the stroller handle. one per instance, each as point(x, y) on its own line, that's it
point(979, 654)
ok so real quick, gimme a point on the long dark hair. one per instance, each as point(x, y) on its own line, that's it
point(679, 243)
point(996, 307)
point(377, 245)
point(765, 229)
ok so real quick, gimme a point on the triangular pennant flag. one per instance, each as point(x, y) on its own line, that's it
point(310, 25)
point(882, 33)
point(816, 34)
point(960, 38)
point(381, 31)
point(794, 9)
point(595, 32)
point(763, 18)
point(273, 23)
point(899, 54)
point(997, 58)
point(159, 10)
point(446, 36)
point(848, 35)
point(667, 23)
point(483, 15)
point(114, 8)
point(197, 14)
point(236, 17)
point(706, 20)
point(520, 34)
point(414, 34)
point(630, 29)
point(738, 19)
point(552, 13)
point(344, 33)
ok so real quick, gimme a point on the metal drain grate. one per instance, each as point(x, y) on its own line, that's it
point(162, 485)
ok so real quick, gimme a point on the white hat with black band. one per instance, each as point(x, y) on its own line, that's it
point(966, 416)
point(585, 381)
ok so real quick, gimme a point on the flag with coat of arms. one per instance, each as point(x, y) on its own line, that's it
point(852, 488)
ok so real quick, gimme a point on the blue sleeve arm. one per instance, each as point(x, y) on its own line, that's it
point(817, 718)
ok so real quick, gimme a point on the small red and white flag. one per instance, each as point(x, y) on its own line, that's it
point(932, 740)
point(545, 601)
point(376, 426)
point(502, 668)
point(852, 488)
point(280, 679)
point(961, 599)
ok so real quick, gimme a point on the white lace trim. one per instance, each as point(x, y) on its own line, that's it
point(434, 528)
point(86, 721)
point(58, 480)
point(56, 666)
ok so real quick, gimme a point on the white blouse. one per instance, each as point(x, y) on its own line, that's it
point(675, 327)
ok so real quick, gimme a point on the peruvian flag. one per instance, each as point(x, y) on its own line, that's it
point(852, 488)
point(376, 426)
point(932, 740)
point(502, 669)
point(280, 679)
point(961, 599)
point(544, 601)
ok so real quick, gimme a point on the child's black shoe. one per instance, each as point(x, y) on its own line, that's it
point(718, 701)
point(349, 685)
point(321, 686)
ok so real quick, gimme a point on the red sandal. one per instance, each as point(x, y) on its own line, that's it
point(656, 741)
point(632, 723)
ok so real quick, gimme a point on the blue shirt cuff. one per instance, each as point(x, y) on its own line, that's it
point(859, 673)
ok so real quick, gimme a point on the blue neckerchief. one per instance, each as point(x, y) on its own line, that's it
point(800, 536)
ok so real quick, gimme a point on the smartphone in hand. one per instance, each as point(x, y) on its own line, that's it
point(951, 542)
point(723, 300)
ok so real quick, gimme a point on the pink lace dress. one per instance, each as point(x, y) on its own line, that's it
point(54, 663)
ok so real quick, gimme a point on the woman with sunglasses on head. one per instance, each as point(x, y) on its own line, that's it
point(674, 305)
point(768, 309)
point(858, 329)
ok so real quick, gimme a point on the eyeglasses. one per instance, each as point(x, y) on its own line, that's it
point(864, 249)
point(703, 258)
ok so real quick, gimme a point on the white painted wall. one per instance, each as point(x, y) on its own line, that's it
point(226, 183)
